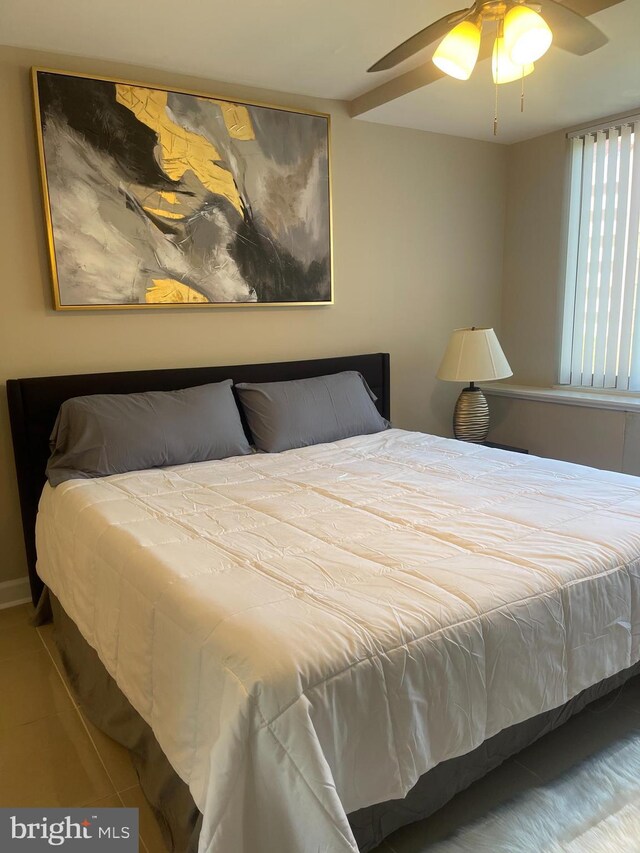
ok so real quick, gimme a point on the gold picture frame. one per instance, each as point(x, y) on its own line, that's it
point(160, 197)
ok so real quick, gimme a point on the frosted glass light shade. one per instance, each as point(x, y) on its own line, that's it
point(457, 53)
point(504, 70)
point(473, 355)
point(526, 35)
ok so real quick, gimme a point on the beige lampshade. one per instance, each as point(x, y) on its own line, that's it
point(473, 355)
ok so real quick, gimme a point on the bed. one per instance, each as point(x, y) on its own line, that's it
point(318, 646)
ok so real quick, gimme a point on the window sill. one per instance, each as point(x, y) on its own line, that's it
point(614, 401)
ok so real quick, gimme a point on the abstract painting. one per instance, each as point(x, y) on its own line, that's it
point(157, 197)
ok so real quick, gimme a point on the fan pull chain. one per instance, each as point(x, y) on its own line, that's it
point(522, 91)
point(499, 35)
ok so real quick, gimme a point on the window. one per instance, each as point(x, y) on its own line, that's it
point(601, 328)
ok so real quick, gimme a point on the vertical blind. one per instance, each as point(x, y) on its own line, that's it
point(601, 328)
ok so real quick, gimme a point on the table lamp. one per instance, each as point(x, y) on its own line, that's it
point(473, 355)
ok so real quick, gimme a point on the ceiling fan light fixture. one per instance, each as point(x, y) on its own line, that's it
point(457, 53)
point(503, 69)
point(527, 36)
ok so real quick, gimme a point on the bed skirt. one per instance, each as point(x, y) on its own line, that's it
point(178, 817)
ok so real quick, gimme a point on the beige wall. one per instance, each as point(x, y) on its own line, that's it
point(534, 257)
point(418, 229)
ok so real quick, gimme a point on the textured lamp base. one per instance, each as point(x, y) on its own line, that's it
point(471, 415)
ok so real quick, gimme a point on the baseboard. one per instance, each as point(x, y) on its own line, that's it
point(14, 592)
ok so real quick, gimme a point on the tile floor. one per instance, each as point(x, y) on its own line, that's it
point(51, 755)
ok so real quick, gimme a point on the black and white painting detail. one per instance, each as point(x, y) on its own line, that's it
point(162, 197)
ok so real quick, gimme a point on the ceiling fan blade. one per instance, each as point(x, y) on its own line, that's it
point(396, 88)
point(589, 7)
point(421, 40)
point(417, 78)
point(571, 31)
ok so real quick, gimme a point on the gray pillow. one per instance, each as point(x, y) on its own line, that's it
point(105, 434)
point(284, 415)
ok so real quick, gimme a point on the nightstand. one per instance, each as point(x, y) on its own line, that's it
point(503, 446)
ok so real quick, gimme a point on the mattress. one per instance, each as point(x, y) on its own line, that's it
point(309, 632)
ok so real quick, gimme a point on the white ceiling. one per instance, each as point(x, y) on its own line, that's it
point(324, 48)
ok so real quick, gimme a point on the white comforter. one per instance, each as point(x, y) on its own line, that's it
point(308, 632)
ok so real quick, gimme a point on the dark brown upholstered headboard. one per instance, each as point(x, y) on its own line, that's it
point(34, 404)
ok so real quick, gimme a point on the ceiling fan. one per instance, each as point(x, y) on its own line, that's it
point(521, 31)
